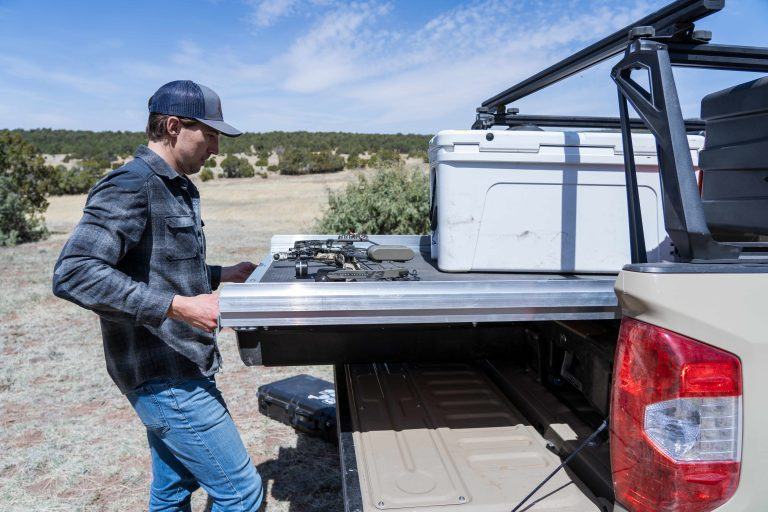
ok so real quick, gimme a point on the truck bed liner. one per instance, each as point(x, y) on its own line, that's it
point(442, 437)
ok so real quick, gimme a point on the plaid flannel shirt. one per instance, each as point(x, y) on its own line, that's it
point(139, 243)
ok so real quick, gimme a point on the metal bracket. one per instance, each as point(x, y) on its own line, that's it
point(660, 110)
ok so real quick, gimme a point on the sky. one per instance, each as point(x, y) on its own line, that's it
point(375, 66)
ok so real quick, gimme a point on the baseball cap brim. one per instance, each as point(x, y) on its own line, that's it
point(221, 127)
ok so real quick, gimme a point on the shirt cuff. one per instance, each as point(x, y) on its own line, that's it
point(154, 308)
point(215, 274)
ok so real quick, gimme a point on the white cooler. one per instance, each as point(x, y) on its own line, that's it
point(541, 201)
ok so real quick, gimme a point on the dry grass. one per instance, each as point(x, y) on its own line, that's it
point(70, 440)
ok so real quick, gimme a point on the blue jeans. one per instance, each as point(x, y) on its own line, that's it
point(194, 443)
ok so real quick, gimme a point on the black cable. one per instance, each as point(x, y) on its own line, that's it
point(588, 440)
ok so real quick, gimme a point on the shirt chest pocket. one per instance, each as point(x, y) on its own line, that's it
point(181, 241)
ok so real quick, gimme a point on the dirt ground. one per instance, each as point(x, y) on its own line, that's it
point(70, 441)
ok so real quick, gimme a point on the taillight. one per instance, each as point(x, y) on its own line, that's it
point(675, 421)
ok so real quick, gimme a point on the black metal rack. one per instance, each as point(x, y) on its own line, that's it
point(652, 46)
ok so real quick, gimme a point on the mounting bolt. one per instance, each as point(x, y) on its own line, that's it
point(489, 136)
point(462, 499)
point(380, 504)
point(641, 32)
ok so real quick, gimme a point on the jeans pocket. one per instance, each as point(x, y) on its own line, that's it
point(147, 406)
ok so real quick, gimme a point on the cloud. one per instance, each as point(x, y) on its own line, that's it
point(335, 49)
point(28, 70)
point(267, 12)
point(358, 66)
point(444, 68)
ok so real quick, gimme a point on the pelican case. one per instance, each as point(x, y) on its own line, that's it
point(306, 403)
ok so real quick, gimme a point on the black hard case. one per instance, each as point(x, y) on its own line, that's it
point(735, 158)
point(304, 402)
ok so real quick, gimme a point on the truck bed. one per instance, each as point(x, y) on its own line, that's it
point(426, 420)
point(443, 437)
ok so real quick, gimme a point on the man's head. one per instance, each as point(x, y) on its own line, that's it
point(188, 100)
point(185, 121)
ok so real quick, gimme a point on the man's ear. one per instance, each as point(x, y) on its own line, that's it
point(173, 126)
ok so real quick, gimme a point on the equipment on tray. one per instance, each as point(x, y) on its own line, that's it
point(349, 262)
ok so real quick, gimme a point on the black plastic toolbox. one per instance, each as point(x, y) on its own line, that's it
point(733, 161)
point(304, 402)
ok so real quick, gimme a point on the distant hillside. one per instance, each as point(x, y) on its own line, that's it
point(108, 146)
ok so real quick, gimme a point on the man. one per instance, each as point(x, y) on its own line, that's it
point(137, 259)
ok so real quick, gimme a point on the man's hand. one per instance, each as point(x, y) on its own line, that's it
point(237, 273)
point(201, 311)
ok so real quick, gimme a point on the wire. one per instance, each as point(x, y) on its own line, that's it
point(588, 440)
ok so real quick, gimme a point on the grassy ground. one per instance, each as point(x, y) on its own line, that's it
point(70, 440)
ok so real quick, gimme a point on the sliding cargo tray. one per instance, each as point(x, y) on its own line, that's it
point(280, 319)
point(274, 297)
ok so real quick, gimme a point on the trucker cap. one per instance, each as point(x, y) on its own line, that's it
point(185, 98)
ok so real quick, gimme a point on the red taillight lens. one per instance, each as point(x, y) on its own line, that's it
point(675, 421)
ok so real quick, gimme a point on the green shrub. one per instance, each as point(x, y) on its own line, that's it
point(393, 201)
point(211, 162)
point(326, 161)
point(299, 161)
point(294, 161)
point(420, 154)
point(78, 180)
point(353, 161)
point(384, 158)
point(262, 174)
point(206, 174)
point(272, 168)
point(262, 162)
point(24, 182)
point(236, 167)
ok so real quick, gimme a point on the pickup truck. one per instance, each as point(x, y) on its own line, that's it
point(514, 370)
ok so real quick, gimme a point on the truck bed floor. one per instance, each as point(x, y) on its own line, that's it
point(442, 437)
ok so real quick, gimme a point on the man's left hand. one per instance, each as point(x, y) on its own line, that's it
point(237, 273)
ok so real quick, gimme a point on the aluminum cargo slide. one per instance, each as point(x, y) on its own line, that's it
point(442, 437)
point(274, 297)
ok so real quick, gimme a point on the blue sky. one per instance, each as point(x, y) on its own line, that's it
point(321, 65)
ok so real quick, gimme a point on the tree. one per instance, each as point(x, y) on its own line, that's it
point(394, 201)
point(206, 174)
point(301, 161)
point(24, 181)
point(236, 167)
point(326, 161)
point(294, 161)
point(77, 180)
point(353, 161)
point(384, 158)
